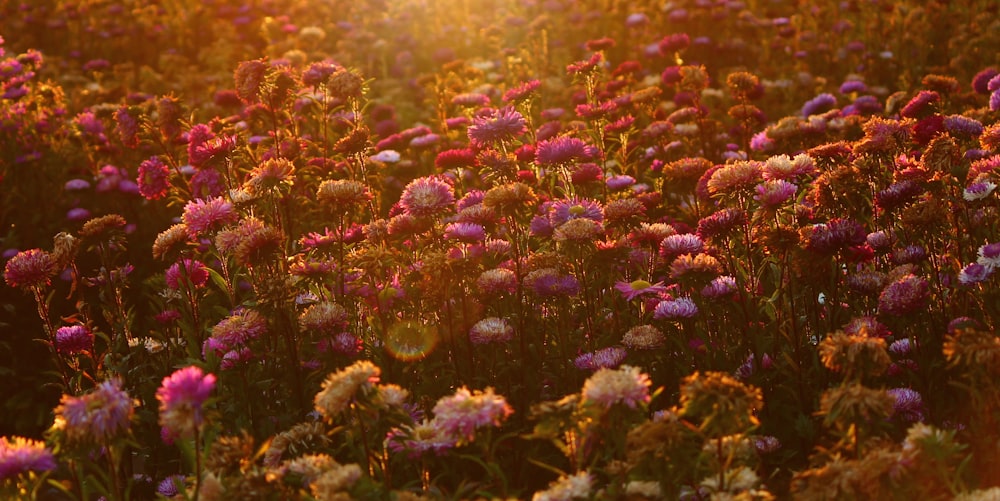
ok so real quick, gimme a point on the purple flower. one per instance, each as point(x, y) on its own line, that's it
point(562, 211)
point(980, 82)
point(181, 397)
point(974, 274)
point(170, 486)
point(677, 245)
point(827, 238)
point(719, 287)
point(637, 288)
point(20, 455)
point(561, 150)
point(962, 126)
point(904, 296)
point(619, 182)
point(819, 104)
point(496, 127)
point(604, 358)
point(676, 309)
point(989, 255)
point(73, 339)
point(908, 405)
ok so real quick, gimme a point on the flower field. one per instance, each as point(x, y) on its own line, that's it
point(499, 249)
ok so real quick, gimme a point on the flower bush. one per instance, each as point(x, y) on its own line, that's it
point(294, 249)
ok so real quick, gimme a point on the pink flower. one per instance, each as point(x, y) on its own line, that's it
point(427, 196)
point(201, 216)
point(153, 179)
point(29, 269)
point(637, 288)
point(187, 271)
point(461, 414)
point(181, 397)
point(72, 339)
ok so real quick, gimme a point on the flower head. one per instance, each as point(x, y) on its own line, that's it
point(29, 269)
point(676, 309)
point(20, 455)
point(153, 179)
point(904, 296)
point(427, 196)
point(643, 337)
point(561, 150)
point(73, 339)
point(461, 414)
point(342, 387)
point(637, 288)
point(187, 271)
point(491, 330)
point(103, 414)
point(604, 358)
point(181, 396)
point(626, 385)
point(202, 216)
point(496, 127)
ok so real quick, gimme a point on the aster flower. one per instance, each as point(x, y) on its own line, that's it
point(421, 438)
point(153, 178)
point(739, 175)
point(30, 269)
point(73, 339)
point(342, 387)
point(908, 405)
point(676, 309)
point(19, 455)
point(604, 358)
point(454, 159)
point(828, 238)
point(562, 211)
point(789, 169)
point(461, 414)
point(904, 296)
point(548, 282)
point(99, 416)
point(521, 92)
point(236, 330)
point(181, 397)
point(491, 330)
point(626, 385)
point(989, 255)
point(187, 271)
point(637, 288)
point(974, 273)
point(427, 196)
point(978, 191)
point(465, 232)
point(643, 337)
point(676, 245)
point(819, 104)
point(720, 287)
point(563, 150)
point(772, 194)
point(324, 317)
point(567, 488)
point(496, 127)
point(203, 216)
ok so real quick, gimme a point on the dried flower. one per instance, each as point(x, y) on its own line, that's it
point(719, 404)
point(855, 356)
point(643, 337)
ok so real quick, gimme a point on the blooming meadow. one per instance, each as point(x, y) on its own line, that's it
point(518, 249)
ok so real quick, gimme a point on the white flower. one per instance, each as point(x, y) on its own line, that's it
point(386, 156)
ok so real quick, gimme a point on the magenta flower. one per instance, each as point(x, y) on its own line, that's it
point(181, 397)
point(153, 179)
point(465, 232)
point(20, 455)
point(202, 216)
point(496, 127)
point(522, 92)
point(186, 271)
point(908, 405)
point(561, 150)
point(29, 269)
point(637, 288)
point(73, 339)
point(904, 296)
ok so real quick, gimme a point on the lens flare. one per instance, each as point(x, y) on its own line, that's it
point(410, 340)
